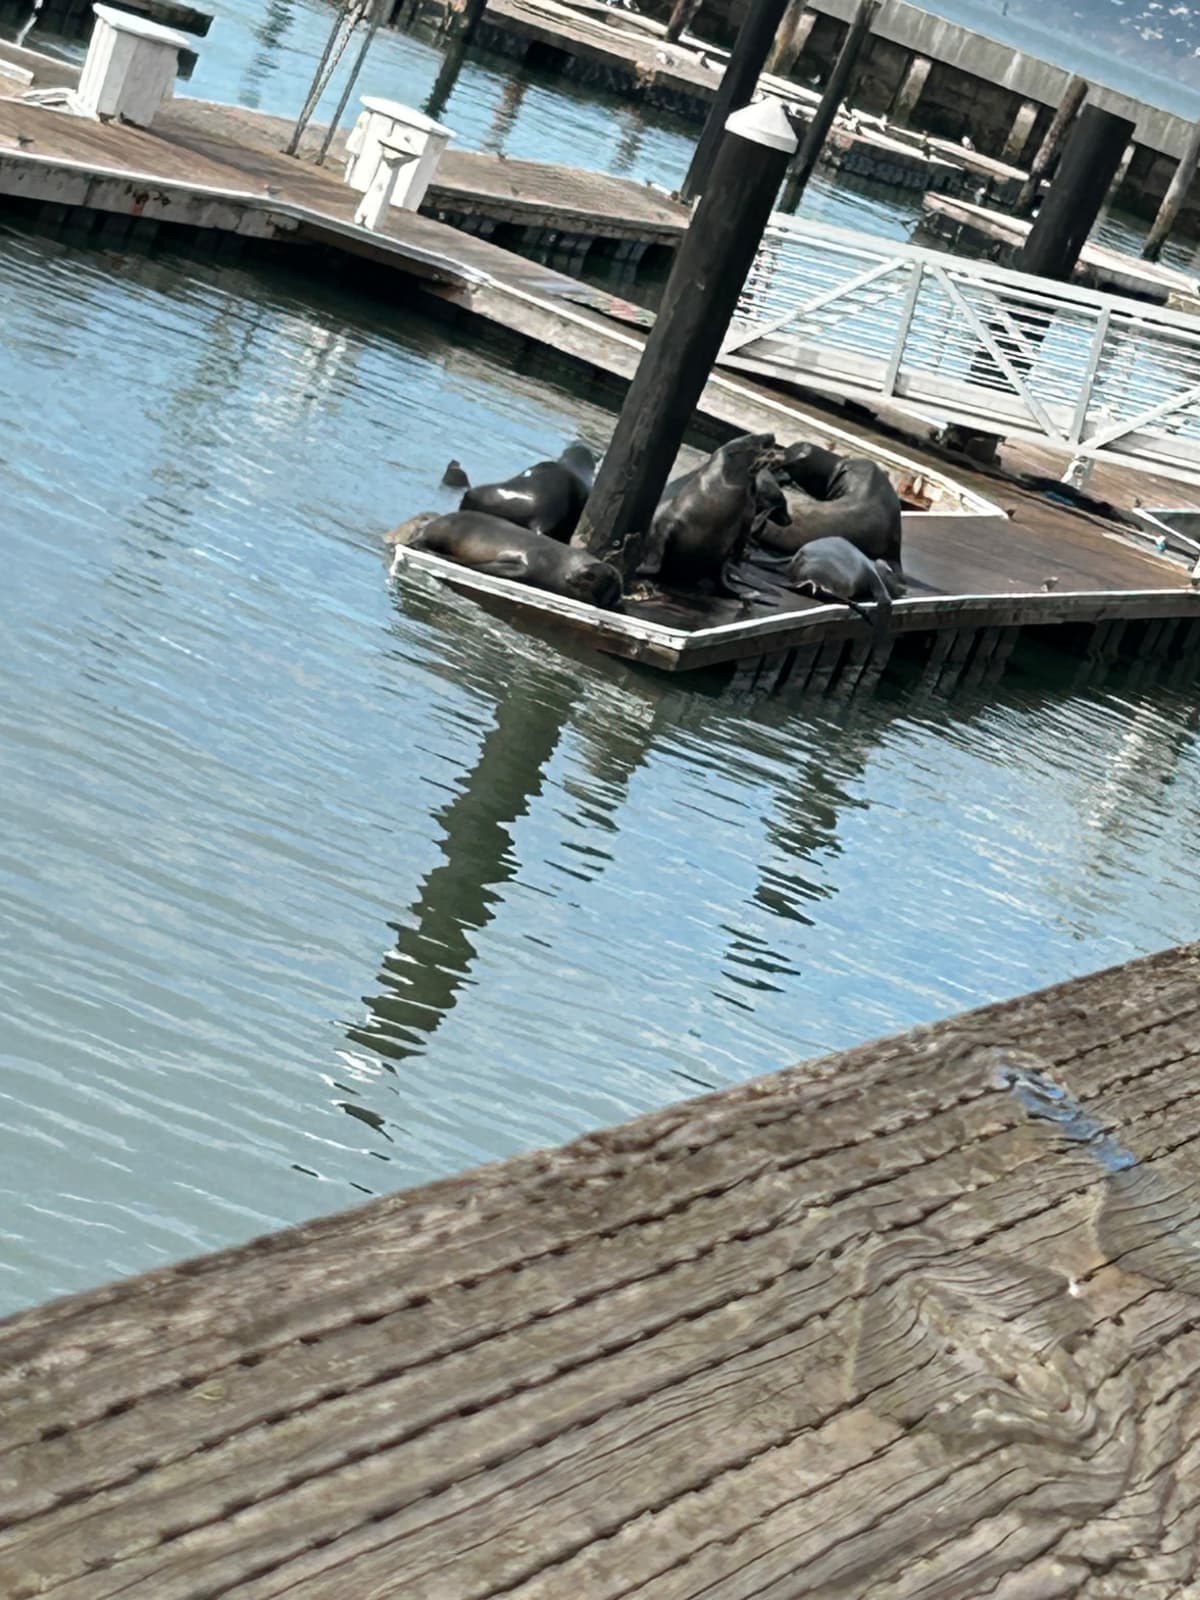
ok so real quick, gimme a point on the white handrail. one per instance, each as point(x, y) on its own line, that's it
point(1093, 373)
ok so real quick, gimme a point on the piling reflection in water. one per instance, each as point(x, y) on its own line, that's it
point(437, 945)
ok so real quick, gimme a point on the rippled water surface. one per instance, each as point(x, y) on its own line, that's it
point(310, 889)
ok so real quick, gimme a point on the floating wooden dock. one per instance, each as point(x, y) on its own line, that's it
point(914, 1320)
point(999, 236)
point(974, 591)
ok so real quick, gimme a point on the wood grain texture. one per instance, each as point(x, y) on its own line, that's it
point(920, 1319)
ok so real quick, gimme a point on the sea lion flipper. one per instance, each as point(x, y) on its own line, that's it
point(514, 566)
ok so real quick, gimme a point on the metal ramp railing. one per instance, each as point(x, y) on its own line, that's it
point(1097, 375)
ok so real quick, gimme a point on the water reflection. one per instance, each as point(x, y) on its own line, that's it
point(437, 943)
point(268, 35)
point(504, 117)
point(233, 759)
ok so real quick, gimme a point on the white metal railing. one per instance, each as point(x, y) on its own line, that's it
point(1101, 376)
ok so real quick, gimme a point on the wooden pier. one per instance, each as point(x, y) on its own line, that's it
point(918, 1319)
point(946, 80)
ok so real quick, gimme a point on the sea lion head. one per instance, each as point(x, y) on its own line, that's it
point(596, 582)
point(748, 453)
point(770, 503)
point(580, 462)
point(406, 532)
point(810, 467)
point(454, 477)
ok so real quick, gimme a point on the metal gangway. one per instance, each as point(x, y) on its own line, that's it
point(949, 340)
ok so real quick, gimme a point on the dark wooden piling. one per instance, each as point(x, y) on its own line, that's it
point(806, 158)
point(680, 18)
point(916, 1319)
point(1047, 153)
point(736, 89)
point(706, 279)
point(1090, 159)
point(791, 37)
point(1177, 191)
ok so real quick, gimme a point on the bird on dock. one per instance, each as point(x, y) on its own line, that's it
point(1050, 583)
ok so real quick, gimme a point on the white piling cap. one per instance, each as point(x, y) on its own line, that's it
point(763, 122)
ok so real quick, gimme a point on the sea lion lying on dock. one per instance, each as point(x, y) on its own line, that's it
point(703, 521)
point(835, 569)
point(846, 497)
point(503, 550)
point(546, 498)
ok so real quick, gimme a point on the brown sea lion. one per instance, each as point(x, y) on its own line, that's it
point(835, 569)
point(851, 498)
point(703, 520)
point(503, 550)
point(546, 498)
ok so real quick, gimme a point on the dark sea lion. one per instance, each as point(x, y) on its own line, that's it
point(770, 502)
point(503, 550)
point(546, 498)
point(835, 569)
point(454, 477)
point(703, 520)
point(851, 498)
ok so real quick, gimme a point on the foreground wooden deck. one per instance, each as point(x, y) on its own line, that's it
point(914, 1320)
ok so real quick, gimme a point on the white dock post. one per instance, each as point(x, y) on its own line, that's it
point(406, 130)
point(394, 164)
point(130, 68)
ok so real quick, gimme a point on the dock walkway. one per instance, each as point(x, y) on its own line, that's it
point(918, 1319)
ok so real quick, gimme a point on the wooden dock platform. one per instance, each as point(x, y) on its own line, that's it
point(219, 171)
point(999, 236)
point(915, 1320)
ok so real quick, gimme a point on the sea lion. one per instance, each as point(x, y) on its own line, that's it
point(703, 520)
point(502, 549)
point(851, 498)
point(406, 532)
point(454, 477)
point(546, 498)
point(835, 569)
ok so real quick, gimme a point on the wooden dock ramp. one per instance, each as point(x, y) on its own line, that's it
point(920, 1319)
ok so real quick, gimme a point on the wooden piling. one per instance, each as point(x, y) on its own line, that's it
point(736, 89)
point(681, 16)
point(1176, 194)
point(1018, 134)
point(836, 88)
point(911, 87)
point(702, 291)
point(791, 38)
point(1042, 164)
point(1090, 159)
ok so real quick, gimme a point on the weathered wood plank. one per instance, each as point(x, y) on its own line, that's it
point(917, 1319)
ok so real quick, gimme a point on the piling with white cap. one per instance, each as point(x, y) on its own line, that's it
point(710, 267)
